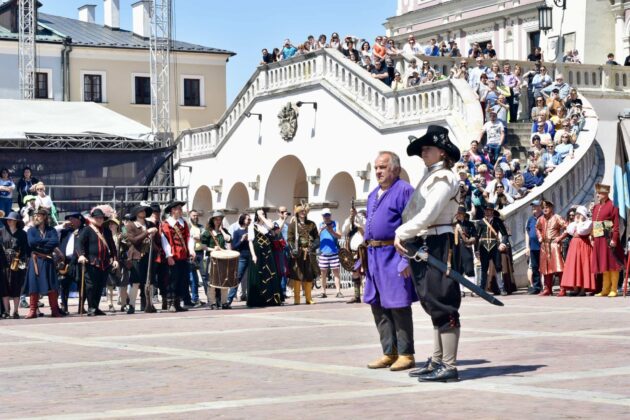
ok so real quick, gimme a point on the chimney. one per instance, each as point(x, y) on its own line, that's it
point(141, 18)
point(87, 13)
point(112, 13)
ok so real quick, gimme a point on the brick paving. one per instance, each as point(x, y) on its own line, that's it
point(534, 358)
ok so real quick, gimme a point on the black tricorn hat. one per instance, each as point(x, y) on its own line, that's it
point(148, 211)
point(76, 215)
point(172, 204)
point(436, 136)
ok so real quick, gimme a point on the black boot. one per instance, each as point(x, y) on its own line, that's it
point(441, 374)
point(428, 367)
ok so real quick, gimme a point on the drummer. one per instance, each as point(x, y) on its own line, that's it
point(215, 238)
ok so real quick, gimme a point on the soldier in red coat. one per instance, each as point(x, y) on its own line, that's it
point(179, 250)
point(607, 251)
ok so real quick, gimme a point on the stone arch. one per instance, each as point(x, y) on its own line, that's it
point(341, 189)
point(286, 184)
point(202, 200)
point(237, 199)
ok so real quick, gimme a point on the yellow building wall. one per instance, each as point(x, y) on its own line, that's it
point(119, 66)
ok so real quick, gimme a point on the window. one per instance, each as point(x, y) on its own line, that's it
point(41, 85)
point(192, 92)
point(92, 88)
point(142, 90)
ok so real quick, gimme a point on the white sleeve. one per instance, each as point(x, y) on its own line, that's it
point(440, 192)
point(191, 245)
point(345, 229)
point(584, 228)
point(250, 232)
point(166, 246)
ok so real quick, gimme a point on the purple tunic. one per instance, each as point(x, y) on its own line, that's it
point(384, 285)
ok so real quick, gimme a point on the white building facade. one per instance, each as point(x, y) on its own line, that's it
point(593, 27)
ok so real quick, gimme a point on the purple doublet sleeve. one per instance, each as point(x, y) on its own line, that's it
point(384, 285)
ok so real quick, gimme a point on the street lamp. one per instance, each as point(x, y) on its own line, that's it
point(249, 114)
point(545, 17)
point(300, 103)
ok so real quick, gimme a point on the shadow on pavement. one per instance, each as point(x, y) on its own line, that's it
point(485, 372)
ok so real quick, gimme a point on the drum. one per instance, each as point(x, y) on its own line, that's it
point(224, 268)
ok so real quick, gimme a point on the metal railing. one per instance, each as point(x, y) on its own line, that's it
point(114, 195)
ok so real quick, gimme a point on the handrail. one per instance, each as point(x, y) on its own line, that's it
point(585, 77)
point(447, 101)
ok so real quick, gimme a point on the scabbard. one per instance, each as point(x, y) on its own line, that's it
point(452, 274)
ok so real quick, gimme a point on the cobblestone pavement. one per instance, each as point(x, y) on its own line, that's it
point(534, 358)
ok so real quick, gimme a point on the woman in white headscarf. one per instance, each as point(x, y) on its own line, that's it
point(578, 275)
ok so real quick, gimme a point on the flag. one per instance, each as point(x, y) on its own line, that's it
point(621, 173)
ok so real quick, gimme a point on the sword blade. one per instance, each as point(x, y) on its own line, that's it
point(454, 275)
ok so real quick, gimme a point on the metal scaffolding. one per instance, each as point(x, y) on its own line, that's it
point(27, 28)
point(160, 58)
point(160, 51)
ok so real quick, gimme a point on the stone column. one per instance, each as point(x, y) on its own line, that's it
point(620, 55)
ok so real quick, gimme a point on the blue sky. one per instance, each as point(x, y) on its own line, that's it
point(247, 26)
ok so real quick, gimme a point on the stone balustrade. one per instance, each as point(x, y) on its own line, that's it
point(452, 102)
point(587, 78)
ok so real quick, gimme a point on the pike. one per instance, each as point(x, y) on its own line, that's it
point(147, 285)
point(422, 254)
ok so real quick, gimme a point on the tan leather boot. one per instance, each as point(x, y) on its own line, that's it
point(382, 362)
point(308, 288)
point(296, 291)
point(404, 362)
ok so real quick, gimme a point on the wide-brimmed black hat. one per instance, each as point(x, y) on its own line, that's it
point(172, 204)
point(14, 216)
point(156, 208)
point(461, 209)
point(98, 213)
point(436, 136)
point(76, 215)
point(489, 206)
point(148, 211)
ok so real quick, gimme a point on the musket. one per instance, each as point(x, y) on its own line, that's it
point(422, 254)
point(147, 284)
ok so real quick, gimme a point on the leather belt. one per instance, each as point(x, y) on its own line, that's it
point(35, 255)
point(378, 244)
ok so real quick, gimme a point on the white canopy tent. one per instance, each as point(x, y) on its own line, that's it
point(19, 118)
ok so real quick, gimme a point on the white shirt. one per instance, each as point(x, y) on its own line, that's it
point(580, 228)
point(167, 246)
point(409, 49)
point(357, 238)
point(439, 190)
point(493, 131)
point(43, 202)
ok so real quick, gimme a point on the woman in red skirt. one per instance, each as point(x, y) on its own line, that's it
point(577, 267)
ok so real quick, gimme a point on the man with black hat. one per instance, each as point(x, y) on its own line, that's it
point(97, 253)
point(179, 250)
point(15, 244)
point(141, 236)
point(493, 239)
point(465, 237)
point(429, 224)
point(75, 223)
point(41, 274)
point(162, 268)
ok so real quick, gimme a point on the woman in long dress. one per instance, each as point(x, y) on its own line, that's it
point(577, 267)
point(215, 238)
point(263, 282)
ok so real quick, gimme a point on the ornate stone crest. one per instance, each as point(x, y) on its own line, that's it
point(287, 121)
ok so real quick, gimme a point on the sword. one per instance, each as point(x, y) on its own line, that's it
point(422, 255)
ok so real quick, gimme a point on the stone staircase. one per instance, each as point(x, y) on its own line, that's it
point(518, 140)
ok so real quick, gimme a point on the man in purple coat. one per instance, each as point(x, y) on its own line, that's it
point(388, 286)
